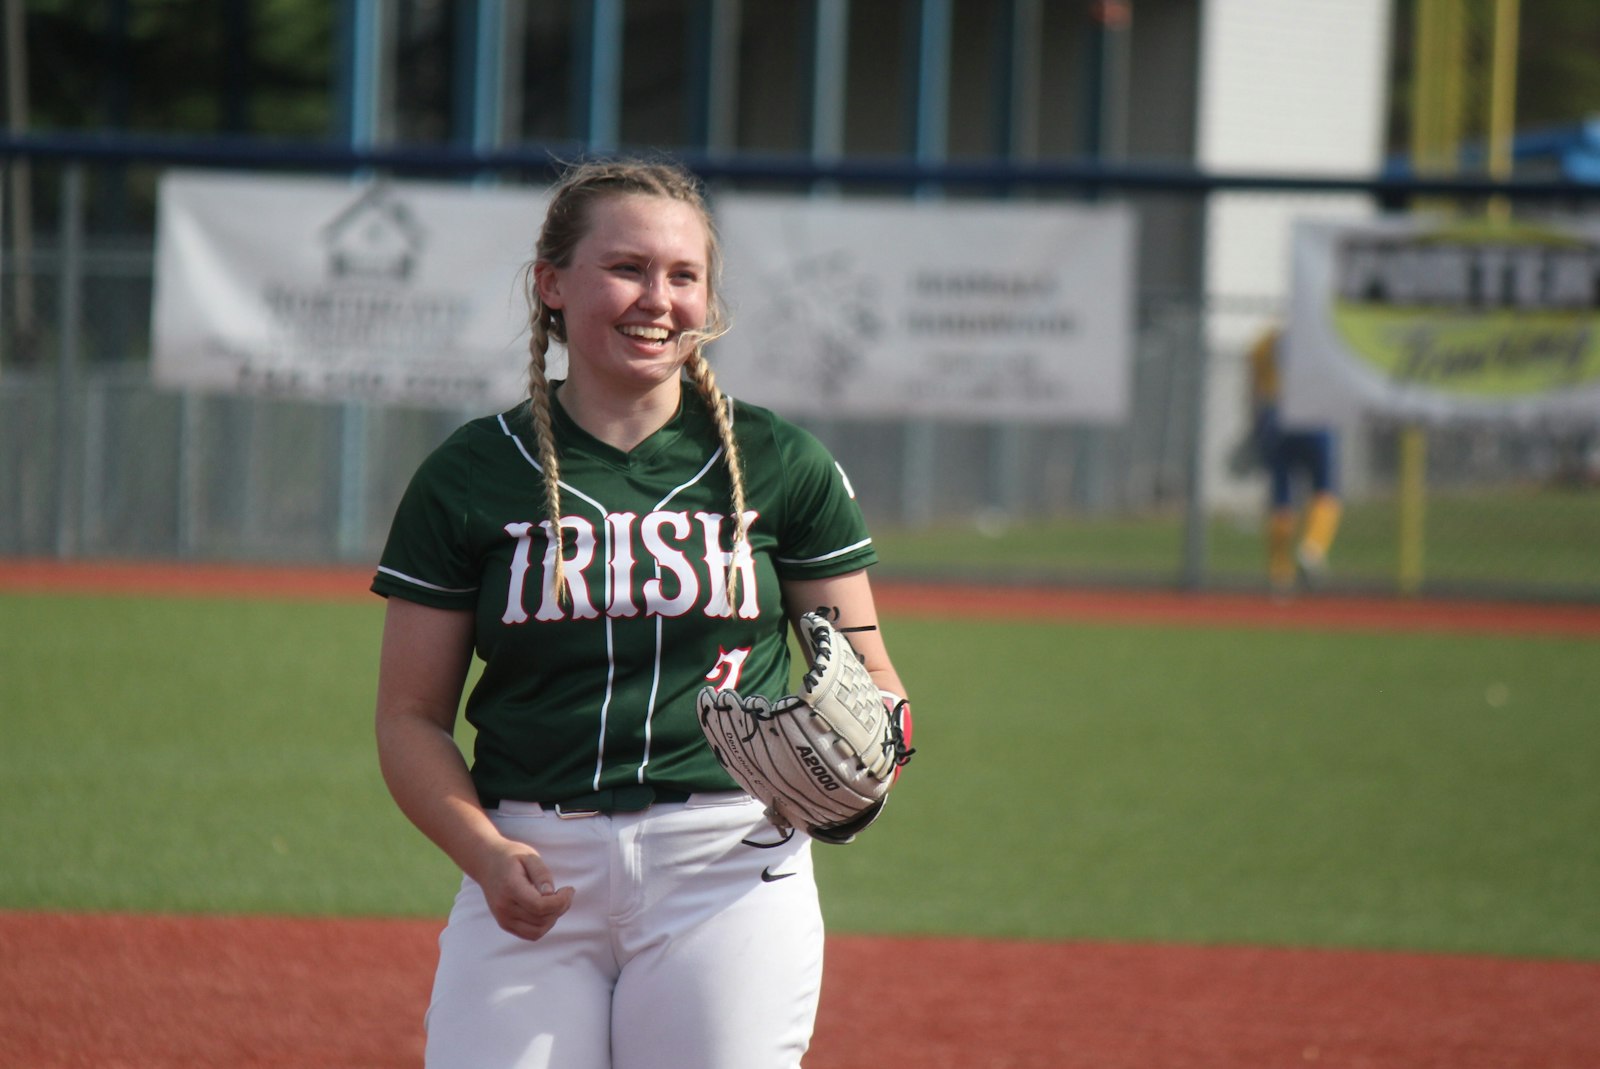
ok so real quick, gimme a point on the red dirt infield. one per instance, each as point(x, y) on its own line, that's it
point(115, 991)
point(90, 991)
point(1326, 611)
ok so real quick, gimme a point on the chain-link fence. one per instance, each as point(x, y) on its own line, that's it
point(95, 461)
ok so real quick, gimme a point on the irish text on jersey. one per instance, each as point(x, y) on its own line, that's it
point(631, 564)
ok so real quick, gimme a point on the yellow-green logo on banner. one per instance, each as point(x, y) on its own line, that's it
point(1474, 310)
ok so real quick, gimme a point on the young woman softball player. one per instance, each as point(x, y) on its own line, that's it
point(621, 539)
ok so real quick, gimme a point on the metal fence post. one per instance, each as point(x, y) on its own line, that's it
point(921, 439)
point(369, 61)
point(69, 467)
point(188, 497)
point(1192, 575)
point(603, 93)
point(1008, 456)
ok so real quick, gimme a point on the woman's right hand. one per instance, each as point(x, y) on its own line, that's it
point(426, 652)
point(520, 891)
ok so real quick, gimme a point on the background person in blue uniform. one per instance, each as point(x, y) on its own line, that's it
point(1303, 506)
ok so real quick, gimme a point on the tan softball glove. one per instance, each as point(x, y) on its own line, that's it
point(822, 760)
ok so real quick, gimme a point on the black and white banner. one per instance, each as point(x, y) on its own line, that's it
point(928, 309)
point(411, 293)
point(390, 292)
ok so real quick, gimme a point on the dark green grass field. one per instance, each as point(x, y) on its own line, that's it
point(1535, 542)
point(1421, 791)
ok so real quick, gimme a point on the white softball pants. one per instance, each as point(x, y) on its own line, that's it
point(683, 948)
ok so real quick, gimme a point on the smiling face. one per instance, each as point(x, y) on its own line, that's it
point(635, 283)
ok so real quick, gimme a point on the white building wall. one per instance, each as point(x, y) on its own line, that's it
point(1286, 87)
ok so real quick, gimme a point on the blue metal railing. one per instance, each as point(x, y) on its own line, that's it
point(1079, 174)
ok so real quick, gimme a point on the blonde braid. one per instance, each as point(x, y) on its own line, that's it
point(545, 438)
point(705, 385)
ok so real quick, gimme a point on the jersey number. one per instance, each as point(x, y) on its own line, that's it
point(724, 675)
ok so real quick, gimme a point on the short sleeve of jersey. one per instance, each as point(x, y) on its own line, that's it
point(427, 558)
point(824, 532)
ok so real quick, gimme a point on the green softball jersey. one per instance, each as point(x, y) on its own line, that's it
point(596, 691)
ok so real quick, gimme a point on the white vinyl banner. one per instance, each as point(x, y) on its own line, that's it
point(927, 309)
point(1431, 320)
point(390, 292)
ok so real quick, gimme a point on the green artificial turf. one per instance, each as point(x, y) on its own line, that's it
point(1285, 787)
point(1147, 783)
point(199, 755)
point(1532, 541)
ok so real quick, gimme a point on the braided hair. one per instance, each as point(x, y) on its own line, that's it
point(567, 221)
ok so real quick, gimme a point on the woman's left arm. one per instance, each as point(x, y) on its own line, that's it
point(851, 595)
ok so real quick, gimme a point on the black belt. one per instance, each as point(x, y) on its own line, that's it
point(629, 799)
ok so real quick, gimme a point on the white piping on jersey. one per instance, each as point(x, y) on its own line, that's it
point(655, 691)
point(655, 679)
point(611, 663)
point(605, 703)
point(523, 449)
point(413, 580)
point(611, 649)
point(826, 556)
point(701, 474)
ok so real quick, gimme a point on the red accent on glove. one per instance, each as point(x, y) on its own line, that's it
point(893, 701)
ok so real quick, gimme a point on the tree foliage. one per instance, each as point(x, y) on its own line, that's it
point(268, 67)
point(192, 66)
point(1557, 78)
